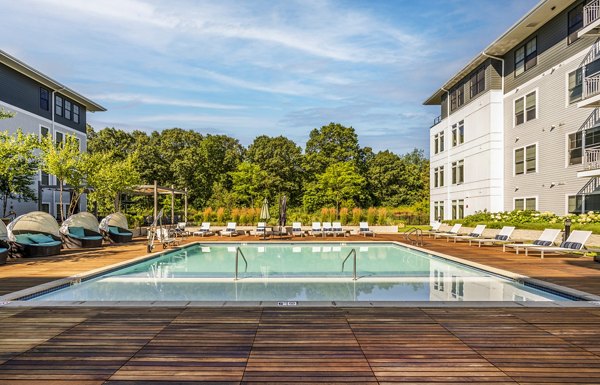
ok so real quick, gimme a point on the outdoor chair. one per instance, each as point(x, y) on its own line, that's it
point(476, 233)
point(230, 230)
point(451, 233)
point(327, 229)
point(364, 230)
point(502, 237)
point(575, 242)
point(547, 238)
point(261, 229)
point(204, 230)
point(435, 228)
point(337, 229)
point(297, 230)
point(316, 229)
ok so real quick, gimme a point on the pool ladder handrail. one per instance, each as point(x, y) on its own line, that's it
point(352, 252)
point(239, 252)
point(418, 233)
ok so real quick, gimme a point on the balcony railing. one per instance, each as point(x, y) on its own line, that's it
point(591, 12)
point(436, 121)
point(591, 159)
point(591, 86)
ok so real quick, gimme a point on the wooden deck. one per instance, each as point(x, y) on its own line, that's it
point(301, 345)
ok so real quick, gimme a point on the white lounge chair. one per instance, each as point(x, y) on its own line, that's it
point(204, 230)
point(502, 237)
point(363, 229)
point(476, 233)
point(575, 242)
point(297, 230)
point(451, 233)
point(337, 229)
point(230, 230)
point(435, 228)
point(327, 229)
point(167, 238)
point(547, 238)
point(316, 229)
point(261, 229)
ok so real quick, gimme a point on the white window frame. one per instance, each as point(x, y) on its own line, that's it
point(524, 97)
point(452, 172)
point(537, 201)
point(537, 157)
point(567, 99)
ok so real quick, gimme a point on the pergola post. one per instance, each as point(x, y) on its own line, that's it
point(172, 204)
point(155, 199)
point(185, 203)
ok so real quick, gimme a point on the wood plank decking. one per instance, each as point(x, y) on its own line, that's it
point(174, 345)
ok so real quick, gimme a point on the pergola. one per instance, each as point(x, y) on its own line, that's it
point(156, 190)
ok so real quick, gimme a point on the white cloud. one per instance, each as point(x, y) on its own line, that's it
point(144, 99)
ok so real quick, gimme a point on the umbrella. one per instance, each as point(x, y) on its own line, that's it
point(282, 211)
point(264, 215)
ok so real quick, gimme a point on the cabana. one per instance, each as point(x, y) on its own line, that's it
point(116, 228)
point(81, 231)
point(3, 243)
point(35, 234)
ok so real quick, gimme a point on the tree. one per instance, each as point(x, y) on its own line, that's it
point(340, 183)
point(330, 144)
point(249, 184)
point(109, 176)
point(110, 140)
point(18, 167)
point(65, 161)
point(280, 158)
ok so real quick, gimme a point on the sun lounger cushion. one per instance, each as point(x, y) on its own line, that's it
point(116, 230)
point(23, 239)
point(571, 245)
point(501, 237)
point(77, 232)
point(364, 229)
point(3, 250)
point(474, 235)
point(40, 238)
point(542, 243)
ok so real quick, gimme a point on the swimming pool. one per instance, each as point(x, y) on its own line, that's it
point(297, 272)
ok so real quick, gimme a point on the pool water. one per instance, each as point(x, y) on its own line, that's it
point(298, 272)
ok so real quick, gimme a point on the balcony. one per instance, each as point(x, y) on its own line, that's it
point(591, 92)
point(591, 19)
point(591, 163)
point(436, 121)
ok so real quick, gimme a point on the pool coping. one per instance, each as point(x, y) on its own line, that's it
point(14, 299)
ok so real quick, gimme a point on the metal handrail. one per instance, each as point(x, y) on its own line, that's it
point(239, 252)
point(418, 232)
point(352, 252)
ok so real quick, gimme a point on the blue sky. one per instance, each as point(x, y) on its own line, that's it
point(248, 68)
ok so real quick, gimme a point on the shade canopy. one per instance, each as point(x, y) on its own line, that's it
point(35, 221)
point(84, 219)
point(3, 232)
point(115, 219)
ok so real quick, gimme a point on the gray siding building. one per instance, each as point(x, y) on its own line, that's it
point(547, 68)
point(41, 106)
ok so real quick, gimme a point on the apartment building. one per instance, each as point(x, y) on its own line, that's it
point(42, 106)
point(530, 136)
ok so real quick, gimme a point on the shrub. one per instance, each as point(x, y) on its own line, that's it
point(207, 214)
point(324, 214)
point(344, 216)
point(235, 215)
point(220, 215)
point(382, 216)
point(371, 215)
point(332, 214)
point(356, 215)
point(243, 216)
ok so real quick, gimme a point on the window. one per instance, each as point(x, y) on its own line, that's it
point(458, 209)
point(438, 283)
point(44, 131)
point(58, 109)
point(526, 57)
point(68, 109)
point(76, 113)
point(438, 210)
point(58, 137)
point(458, 172)
point(44, 99)
point(575, 22)
point(46, 207)
point(59, 213)
point(44, 177)
point(526, 160)
point(477, 82)
point(526, 108)
point(575, 148)
point(575, 86)
point(453, 100)
point(458, 133)
point(575, 204)
point(460, 95)
point(438, 145)
point(438, 176)
point(526, 204)
point(458, 288)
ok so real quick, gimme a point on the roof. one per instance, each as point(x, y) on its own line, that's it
point(46, 81)
point(148, 189)
point(543, 12)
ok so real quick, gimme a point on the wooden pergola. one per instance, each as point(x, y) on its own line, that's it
point(156, 190)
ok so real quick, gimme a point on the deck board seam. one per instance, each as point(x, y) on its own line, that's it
point(360, 346)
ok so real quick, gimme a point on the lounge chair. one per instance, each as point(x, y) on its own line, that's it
point(435, 228)
point(502, 237)
point(450, 233)
point(337, 229)
point(180, 230)
point(364, 230)
point(476, 233)
point(230, 230)
point(167, 237)
point(261, 229)
point(81, 231)
point(297, 230)
point(575, 242)
point(316, 229)
point(204, 230)
point(4, 246)
point(115, 227)
point(327, 229)
point(547, 238)
point(35, 234)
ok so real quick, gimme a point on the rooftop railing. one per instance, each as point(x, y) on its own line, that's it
point(591, 86)
point(591, 12)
